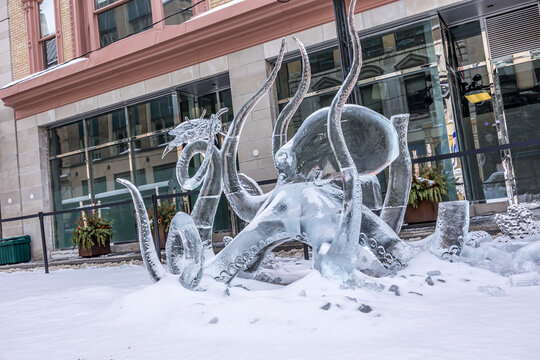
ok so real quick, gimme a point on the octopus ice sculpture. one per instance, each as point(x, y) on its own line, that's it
point(317, 198)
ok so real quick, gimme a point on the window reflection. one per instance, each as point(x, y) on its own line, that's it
point(124, 20)
point(67, 138)
point(47, 30)
point(107, 127)
point(68, 191)
point(467, 44)
point(176, 11)
point(128, 148)
point(520, 87)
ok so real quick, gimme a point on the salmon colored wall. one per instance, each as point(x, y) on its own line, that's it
point(161, 50)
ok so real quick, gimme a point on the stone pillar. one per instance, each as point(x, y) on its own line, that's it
point(248, 70)
point(33, 180)
point(10, 202)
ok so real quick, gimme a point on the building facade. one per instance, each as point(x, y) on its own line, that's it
point(97, 85)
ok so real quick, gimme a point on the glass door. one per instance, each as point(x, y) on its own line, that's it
point(518, 85)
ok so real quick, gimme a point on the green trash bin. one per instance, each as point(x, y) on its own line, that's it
point(15, 250)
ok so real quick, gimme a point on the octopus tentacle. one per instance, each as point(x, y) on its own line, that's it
point(244, 204)
point(341, 258)
point(397, 192)
point(282, 123)
point(148, 250)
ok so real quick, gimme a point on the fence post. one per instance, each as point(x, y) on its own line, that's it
point(43, 243)
point(306, 251)
point(156, 224)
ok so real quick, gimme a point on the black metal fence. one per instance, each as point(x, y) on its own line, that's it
point(153, 198)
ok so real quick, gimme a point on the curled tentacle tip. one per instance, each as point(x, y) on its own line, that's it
point(167, 150)
point(222, 111)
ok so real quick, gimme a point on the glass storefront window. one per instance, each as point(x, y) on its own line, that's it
point(408, 87)
point(403, 49)
point(123, 20)
point(128, 148)
point(105, 166)
point(69, 192)
point(108, 127)
point(520, 89)
point(67, 138)
point(485, 176)
point(155, 115)
point(325, 73)
point(467, 44)
point(175, 13)
point(159, 173)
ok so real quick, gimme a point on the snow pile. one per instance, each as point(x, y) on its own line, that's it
point(430, 310)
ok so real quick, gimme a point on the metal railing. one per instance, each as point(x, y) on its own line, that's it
point(153, 198)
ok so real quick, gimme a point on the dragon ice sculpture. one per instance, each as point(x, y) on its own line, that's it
point(317, 198)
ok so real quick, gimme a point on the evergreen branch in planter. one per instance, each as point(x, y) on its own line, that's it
point(429, 185)
point(166, 211)
point(91, 227)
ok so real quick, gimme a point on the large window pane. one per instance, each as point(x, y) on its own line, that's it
point(102, 3)
point(152, 116)
point(325, 73)
point(478, 130)
point(159, 174)
point(124, 20)
point(106, 164)
point(467, 45)
point(69, 192)
point(50, 56)
point(175, 13)
point(108, 127)
point(405, 48)
point(46, 18)
point(66, 138)
point(520, 87)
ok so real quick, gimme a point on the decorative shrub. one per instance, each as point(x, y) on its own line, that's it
point(166, 211)
point(91, 228)
point(429, 185)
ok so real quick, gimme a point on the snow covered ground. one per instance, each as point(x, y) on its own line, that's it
point(117, 313)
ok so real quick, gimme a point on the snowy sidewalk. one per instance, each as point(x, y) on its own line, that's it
point(457, 312)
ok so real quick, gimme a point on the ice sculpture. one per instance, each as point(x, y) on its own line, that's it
point(518, 222)
point(451, 229)
point(317, 198)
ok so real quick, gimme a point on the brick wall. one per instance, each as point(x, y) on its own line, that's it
point(19, 40)
point(65, 15)
point(216, 3)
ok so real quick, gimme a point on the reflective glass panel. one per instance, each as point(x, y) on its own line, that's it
point(107, 127)
point(477, 126)
point(159, 174)
point(66, 138)
point(50, 56)
point(176, 11)
point(325, 73)
point(106, 164)
point(520, 87)
point(102, 3)
point(124, 20)
point(69, 191)
point(402, 49)
point(467, 44)
point(151, 116)
point(47, 25)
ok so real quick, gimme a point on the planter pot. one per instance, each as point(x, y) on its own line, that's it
point(96, 250)
point(425, 212)
point(162, 236)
